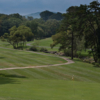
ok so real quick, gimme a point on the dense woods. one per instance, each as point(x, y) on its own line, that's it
point(39, 27)
point(80, 28)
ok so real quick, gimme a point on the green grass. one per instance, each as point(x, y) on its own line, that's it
point(51, 83)
point(41, 43)
point(84, 53)
point(5, 44)
point(38, 89)
point(15, 58)
point(45, 43)
point(46, 83)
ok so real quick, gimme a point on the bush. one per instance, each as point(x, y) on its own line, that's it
point(89, 60)
point(2, 38)
point(43, 49)
point(33, 48)
point(68, 53)
point(97, 65)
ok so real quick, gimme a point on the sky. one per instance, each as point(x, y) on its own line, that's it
point(25, 7)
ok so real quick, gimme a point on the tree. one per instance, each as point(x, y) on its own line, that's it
point(46, 14)
point(16, 15)
point(67, 31)
point(40, 32)
point(30, 18)
point(89, 25)
point(33, 26)
point(19, 36)
point(14, 22)
point(8, 21)
point(57, 16)
point(51, 27)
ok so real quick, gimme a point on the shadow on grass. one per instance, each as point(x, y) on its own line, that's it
point(96, 66)
point(5, 79)
point(2, 57)
point(77, 59)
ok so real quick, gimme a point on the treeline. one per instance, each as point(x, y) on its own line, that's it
point(80, 29)
point(8, 21)
point(39, 27)
point(45, 15)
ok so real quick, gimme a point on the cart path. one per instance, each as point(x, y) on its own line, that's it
point(67, 59)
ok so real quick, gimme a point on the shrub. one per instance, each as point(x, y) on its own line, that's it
point(2, 38)
point(33, 48)
point(89, 60)
point(42, 49)
point(97, 65)
point(68, 53)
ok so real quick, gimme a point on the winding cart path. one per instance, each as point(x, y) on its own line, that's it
point(68, 62)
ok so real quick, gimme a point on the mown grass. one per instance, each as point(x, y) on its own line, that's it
point(5, 44)
point(45, 43)
point(38, 89)
point(15, 58)
point(77, 81)
point(39, 43)
point(51, 83)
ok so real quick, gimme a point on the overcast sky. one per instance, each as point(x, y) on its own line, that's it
point(25, 7)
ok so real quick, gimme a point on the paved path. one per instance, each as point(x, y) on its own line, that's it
point(68, 62)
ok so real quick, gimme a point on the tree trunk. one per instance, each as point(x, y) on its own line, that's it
point(72, 47)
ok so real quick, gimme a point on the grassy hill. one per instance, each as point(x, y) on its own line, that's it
point(45, 43)
point(77, 81)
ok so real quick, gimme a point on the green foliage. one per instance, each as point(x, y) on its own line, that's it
point(33, 26)
point(57, 16)
point(81, 22)
point(51, 27)
point(97, 64)
point(46, 15)
point(19, 36)
point(39, 27)
point(30, 18)
point(67, 52)
point(16, 15)
point(89, 26)
point(14, 22)
point(33, 48)
point(8, 21)
point(2, 38)
point(66, 35)
point(40, 32)
point(6, 35)
point(42, 49)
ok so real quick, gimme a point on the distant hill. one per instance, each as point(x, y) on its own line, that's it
point(34, 15)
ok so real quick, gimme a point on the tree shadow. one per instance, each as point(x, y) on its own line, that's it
point(2, 57)
point(77, 59)
point(5, 79)
point(98, 67)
